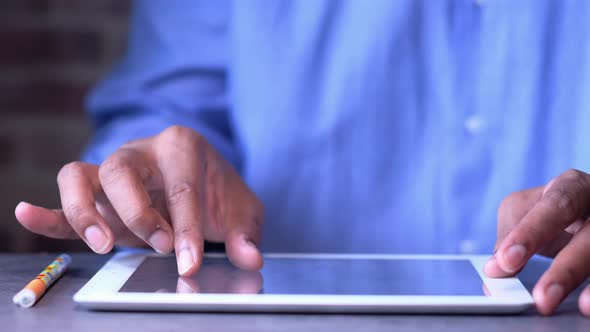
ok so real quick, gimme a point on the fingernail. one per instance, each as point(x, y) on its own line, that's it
point(251, 244)
point(160, 241)
point(185, 261)
point(514, 256)
point(585, 303)
point(96, 238)
point(554, 293)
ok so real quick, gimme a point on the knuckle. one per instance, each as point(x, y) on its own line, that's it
point(75, 213)
point(181, 136)
point(575, 175)
point(565, 201)
point(69, 170)
point(578, 181)
point(567, 194)
point(510, 204)
point(135, 220)
point(180, 192)
point(510, 200)
point(112, 168)
point(179, 132)
point(185, 230)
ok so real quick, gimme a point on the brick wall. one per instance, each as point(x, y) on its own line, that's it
point(51, 52)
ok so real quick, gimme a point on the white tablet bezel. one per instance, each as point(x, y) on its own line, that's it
point(508, 295)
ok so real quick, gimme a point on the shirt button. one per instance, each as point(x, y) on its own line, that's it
point(468, 247)
point(474, 124)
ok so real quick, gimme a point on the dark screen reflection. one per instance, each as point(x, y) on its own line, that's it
point(312, 276)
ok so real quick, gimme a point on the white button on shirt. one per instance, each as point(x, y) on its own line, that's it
point(468, 247)
point(474, 124)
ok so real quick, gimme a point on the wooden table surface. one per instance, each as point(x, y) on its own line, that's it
point(57, 312)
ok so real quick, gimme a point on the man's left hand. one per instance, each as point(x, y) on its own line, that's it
point(551, 220)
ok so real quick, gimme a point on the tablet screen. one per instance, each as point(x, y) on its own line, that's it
point(312, 276)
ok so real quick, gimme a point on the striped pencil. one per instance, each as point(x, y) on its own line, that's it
point(29, 295)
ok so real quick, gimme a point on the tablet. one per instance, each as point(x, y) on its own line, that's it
point(305, 283)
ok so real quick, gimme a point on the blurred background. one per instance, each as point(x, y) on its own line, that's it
point(51, 53)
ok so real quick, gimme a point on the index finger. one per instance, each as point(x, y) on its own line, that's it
point(182, 162)
point(562, 203)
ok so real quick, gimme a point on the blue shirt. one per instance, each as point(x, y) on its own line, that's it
point(364, 126)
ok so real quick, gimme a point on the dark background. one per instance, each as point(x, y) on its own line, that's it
point(51, 53)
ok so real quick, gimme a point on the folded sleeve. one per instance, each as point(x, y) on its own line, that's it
point(174, 72)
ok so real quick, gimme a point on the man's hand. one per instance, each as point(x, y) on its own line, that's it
point(171, 191)
point(551, 220)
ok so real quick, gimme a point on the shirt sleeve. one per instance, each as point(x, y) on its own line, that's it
point(173, 73)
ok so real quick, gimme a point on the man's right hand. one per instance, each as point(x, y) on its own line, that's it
point(170, 191)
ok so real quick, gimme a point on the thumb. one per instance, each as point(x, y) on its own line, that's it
point(51, 223)
point(242, 250)
point(244, 225)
